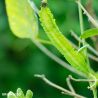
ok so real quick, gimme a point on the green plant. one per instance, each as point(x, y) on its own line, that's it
point(24, 24)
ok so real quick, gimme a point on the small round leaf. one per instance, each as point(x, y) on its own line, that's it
point(22, 18)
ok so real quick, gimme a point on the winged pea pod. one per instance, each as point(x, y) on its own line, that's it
point(76, 59)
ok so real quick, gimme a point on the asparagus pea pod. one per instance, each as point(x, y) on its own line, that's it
point(49, 25)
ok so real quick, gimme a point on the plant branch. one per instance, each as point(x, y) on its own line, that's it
point(93, 57)
point(70, 85)
point(80, 80)
point(68, 80)
point(32, 4)
point(91, 81)
point(58, 87)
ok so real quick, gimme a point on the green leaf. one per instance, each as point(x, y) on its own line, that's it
point(20, 93)
point(11, 95)
point(22, 18)
point(29, 94)
point(90, 33)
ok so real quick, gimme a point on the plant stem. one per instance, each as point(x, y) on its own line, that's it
point(32, 4)
point(82, 48)
point(93, 57)
point(70, 85)
point(81, 80)
point(81, 23)
point(58, 87)
point(81, 19)
point(95, 93)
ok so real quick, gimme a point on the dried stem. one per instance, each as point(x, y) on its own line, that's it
point(93, 57)
point(91, 19)
point(91, 81)
point(70, 85)
point(58, 87)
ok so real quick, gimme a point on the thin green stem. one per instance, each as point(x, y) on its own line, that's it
point(81, 80)
point(95, 93)
point(82, 48)
point(44, 41)
point(81, 22)
point(81, 19)
point(82, 30)
point(93, 88)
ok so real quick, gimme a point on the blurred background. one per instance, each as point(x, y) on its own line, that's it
point(20, 59)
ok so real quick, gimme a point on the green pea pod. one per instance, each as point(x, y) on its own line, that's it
point(49, 25)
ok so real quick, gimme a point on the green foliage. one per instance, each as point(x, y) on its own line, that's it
point(75, 58)
point(20, 94)
point(22, 19)
point(24, 25)
point(90, 33)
